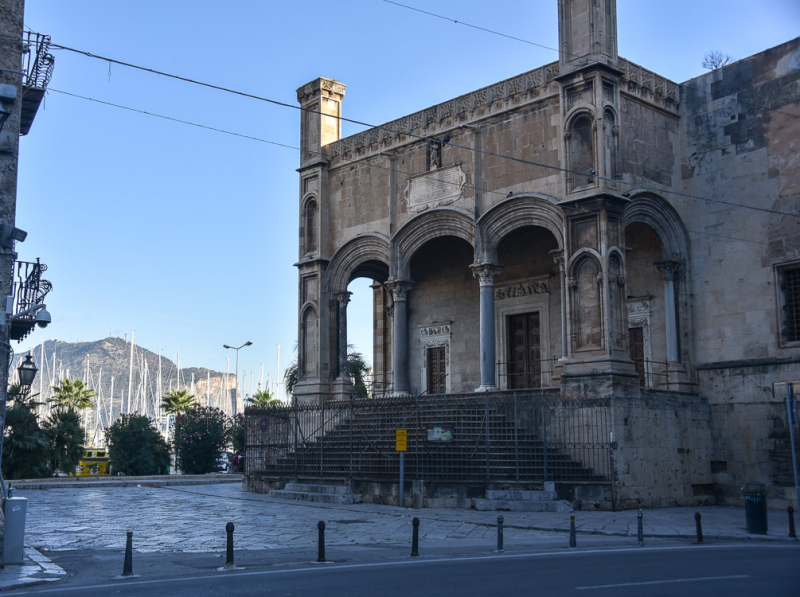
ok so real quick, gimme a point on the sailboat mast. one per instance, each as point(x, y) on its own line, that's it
point(130, 376)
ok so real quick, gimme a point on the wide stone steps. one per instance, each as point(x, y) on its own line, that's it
point(307, 492)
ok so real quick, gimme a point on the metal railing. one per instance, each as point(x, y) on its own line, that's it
point(508, 436)
point(525, 375)
point(37, 61)
point(29, 289)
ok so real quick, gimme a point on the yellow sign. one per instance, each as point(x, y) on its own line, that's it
point(401, 440)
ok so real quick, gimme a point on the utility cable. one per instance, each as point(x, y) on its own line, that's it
point(367, 163)
point(415, 136)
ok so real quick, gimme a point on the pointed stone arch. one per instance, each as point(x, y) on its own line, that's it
point(366, 255)
point(648, 208)
point(517, 212)
point(435, 223)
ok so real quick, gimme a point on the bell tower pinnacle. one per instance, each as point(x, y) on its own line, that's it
point(587, 33)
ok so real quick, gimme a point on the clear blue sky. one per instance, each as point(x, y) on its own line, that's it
point(188, 236)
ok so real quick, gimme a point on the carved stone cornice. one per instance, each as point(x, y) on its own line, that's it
point(485, 272)
point(321, 86)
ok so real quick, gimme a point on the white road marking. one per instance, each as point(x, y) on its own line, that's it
point(663, 582)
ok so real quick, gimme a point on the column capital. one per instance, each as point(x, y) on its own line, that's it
point(671, 270)
point(485, 272)
point(343, 298)
point(399, 289)
point(558, 257)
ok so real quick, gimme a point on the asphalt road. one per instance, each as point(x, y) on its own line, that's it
point(772, 570)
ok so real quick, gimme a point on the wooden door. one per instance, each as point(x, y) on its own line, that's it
point(437, 371)
point(524, 351)
point(636, 345)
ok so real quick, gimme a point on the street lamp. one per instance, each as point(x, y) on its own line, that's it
point(233, 390)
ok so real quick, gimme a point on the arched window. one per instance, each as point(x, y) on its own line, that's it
point(581, 145)
point(310, 223)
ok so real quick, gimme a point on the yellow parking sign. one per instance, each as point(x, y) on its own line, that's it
point(401, 440)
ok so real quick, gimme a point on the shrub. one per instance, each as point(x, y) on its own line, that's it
point(135, 447)
point(25, 446)
point(237, 433)
point(201, 434)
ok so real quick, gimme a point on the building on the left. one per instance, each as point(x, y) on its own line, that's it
point(26, 66)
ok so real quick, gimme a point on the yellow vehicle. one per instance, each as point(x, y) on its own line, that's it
point(93, 464)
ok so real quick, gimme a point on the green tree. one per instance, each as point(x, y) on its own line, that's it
point(237, 433)
point(262, 398)
point(201, 434)
point(357, 370)
point(25, 446)
point(65, 435)
point(177, 401)
point(72, 394)
point(135, 447)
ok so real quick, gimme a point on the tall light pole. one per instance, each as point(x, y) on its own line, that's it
point(233, 391)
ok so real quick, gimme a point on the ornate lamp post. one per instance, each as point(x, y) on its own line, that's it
point(233, 391)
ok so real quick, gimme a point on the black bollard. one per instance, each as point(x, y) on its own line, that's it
point(792, 533)
point(415, 537)
point(229, 550)
point(127, 566)
point(572, 541)
point(699, 525)
point(500, 533)
point(321, 549)
point(640, 528)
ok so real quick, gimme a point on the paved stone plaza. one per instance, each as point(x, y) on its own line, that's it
point(192, 518)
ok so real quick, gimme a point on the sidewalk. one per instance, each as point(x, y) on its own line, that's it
point(188, 521)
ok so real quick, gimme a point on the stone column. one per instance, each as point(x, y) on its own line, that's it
point(343, 299)
point(558, 257)
point(677, 376)
point(486, 273)
point(669, 269)
point(400, 290)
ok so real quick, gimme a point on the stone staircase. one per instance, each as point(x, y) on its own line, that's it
point(522, 500)
point(307, 492)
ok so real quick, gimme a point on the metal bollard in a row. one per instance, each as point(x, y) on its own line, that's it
point(127, 568)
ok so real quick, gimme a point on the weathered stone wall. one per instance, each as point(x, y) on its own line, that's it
point(740, 126)
point(751, 434)
point(664, 450)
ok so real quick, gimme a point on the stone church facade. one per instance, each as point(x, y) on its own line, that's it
point(577, 226)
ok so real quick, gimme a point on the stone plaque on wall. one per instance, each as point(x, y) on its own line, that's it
point(436, 188)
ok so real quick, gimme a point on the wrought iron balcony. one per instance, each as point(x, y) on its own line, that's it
point(29, 290)
point(37, 64)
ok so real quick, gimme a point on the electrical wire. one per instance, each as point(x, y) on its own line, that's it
point(414, 136)
point(525, 41)
point(344, 162)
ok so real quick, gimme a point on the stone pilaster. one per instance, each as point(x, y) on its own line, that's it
point(678, 378)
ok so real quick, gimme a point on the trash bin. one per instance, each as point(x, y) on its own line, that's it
point(14, 536)
point(755, 507)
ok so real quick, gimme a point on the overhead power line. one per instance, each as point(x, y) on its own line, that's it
point(345, 162)
point(412, 135)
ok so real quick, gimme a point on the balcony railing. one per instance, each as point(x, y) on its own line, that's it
point(28, 291)
point(37, 64)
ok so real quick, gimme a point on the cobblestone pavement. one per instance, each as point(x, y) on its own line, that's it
point(192, 519)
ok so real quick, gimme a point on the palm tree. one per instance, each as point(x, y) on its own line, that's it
point(177, 401)
point(262, 398)
point(72, 394)
point(63, 429)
